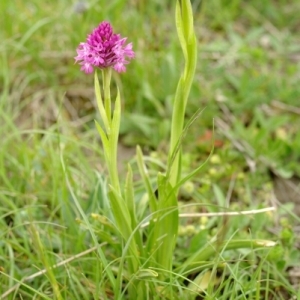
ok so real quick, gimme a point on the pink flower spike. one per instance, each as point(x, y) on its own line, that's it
point(104, 49)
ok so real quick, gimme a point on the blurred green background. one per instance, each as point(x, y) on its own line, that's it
point(247, 82)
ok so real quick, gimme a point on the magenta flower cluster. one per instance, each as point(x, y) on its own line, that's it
point(104, 49)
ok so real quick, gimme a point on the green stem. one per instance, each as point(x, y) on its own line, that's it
point(106, 75)
point(113, 141)
point(112, 131)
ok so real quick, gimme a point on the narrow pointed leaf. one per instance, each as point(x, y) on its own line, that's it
point(145, 177)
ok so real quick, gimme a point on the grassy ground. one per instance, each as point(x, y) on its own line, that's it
point(248, 82)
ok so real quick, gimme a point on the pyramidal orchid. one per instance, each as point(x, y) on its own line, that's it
point(104, 49)
point(142, 260)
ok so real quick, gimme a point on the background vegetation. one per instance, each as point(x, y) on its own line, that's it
point(247, 82)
